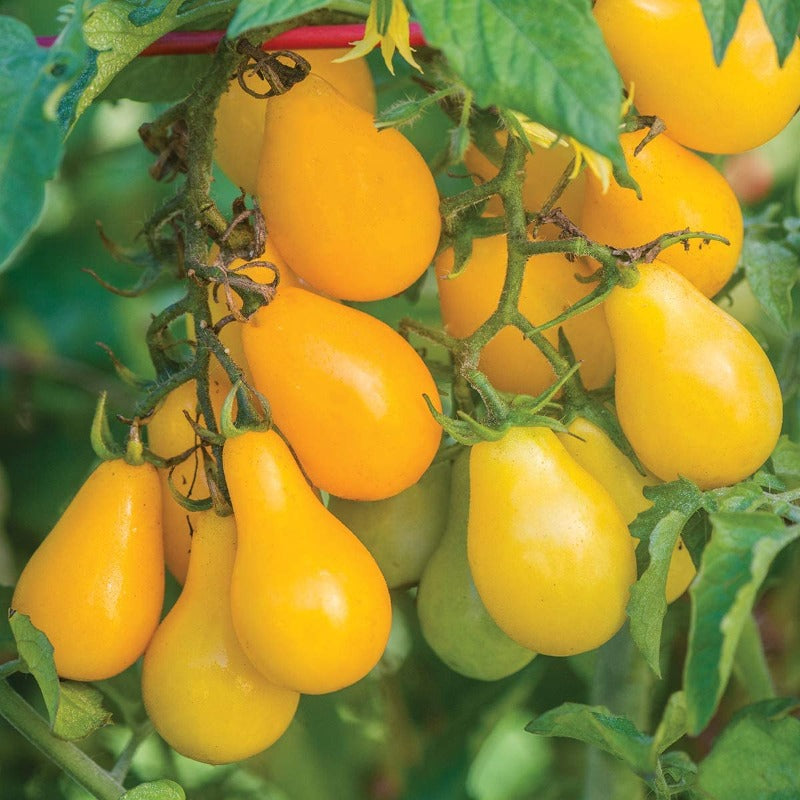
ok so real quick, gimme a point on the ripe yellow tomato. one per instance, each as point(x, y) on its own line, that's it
point(169, 434)
point(453, 619)
point(664, 48)
point(240, 116)
point(679, 190)
point(593, 449)
point(512, 362)
point(347, 391)
point(231, 334)
point(202, 694)
point(353, 210)
point(543, 169)
point(95, 585)
point(310, 605)
point(695, 393)
point(549, 551)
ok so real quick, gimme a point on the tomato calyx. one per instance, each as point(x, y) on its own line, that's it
point(251, 412)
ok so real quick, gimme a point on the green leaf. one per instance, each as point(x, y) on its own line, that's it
point(681, 496)
point(597, 726)
point(36, 653)
point(772, 270)
point(721, 17)
point(745, 496)
point(679, 770)
point(155, 790)
point(80, 711)
point(785, 461)
point(735, 563)
point(783, 19)
point(756, 756)
point(673, 723)
point(32, 81)
point(545, 59)
point(118, 35)
point(648, 603)
point(261, 13)
point(157, 79)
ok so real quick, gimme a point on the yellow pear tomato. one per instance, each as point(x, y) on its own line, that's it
point(549, 550)
point(95, 585)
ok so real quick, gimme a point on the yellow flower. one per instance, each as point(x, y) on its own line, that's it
point(394, 35)
point(599, 165)
point(542, 136)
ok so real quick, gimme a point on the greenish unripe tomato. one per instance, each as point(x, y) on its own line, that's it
point(402, 531)
point(454, 621)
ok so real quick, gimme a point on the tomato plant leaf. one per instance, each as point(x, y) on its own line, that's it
point(36, 653)
point(32, 81)
point(783, 19)
point(772, 270)
point(157, 79)
point(260, 13)
point(155, 790)
point(745, 496)
point(597, 726)
point(756, 755)
point(735, 562)
point(672, 725)
point(648, 604)
point(785, 461)
point(80, 711)
point(722, 17)
point(562, 74)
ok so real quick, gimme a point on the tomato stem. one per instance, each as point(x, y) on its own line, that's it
point(69, 758)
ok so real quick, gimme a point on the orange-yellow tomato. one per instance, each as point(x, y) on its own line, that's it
point(240, 116)
point(549, 551)
point(95, 585)
point(543, 169)
point(695, 393)
point(512, 362)
point(310, 605)
point(679, 190)
point(202, 694)
point(231, 334)
point(593, 449)
point(353, 210)
point(663, 47)
point(347, 391)
point(169, 434)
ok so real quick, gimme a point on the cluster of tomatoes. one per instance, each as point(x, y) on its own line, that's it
point(531, 553)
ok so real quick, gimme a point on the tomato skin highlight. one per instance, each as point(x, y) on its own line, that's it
point(324, 178)
point(200, 691)
point(95, 585)
point(679, 190)
point(347, 392)
point(549, 551)
point(664, 48)
point(695, 394)
point(309, 604)
point(513, 363)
